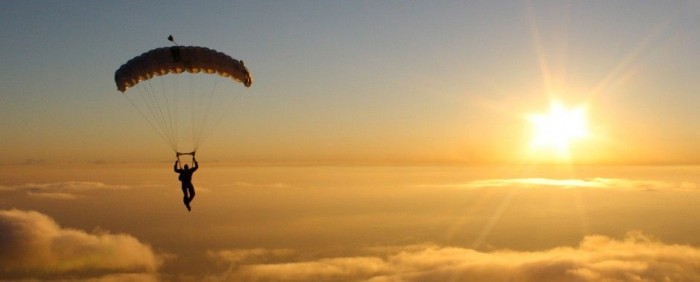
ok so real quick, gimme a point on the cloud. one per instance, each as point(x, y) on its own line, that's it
point(68, 190)
point(234, 258)
point(34, 246)
point(595, 183)
point(239, 256)
point(637, 257)
point(34, 162)
point(277, 185)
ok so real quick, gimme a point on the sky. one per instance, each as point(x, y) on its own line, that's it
point(379, 141)
point(367, 82)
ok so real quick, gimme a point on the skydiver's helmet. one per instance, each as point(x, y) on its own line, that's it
point(186, 167)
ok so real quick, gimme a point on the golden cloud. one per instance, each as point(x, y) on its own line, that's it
point(637, 257)
point(593, 183)
point(34, 246)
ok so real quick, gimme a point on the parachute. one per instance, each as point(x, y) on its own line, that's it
point(182, 91)
point(177, 59)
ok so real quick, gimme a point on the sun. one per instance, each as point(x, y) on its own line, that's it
point(554, 132)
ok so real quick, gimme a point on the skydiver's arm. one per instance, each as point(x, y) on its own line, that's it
point(175, 166)
point(196, 164)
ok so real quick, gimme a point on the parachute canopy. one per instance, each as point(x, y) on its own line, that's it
point(182, 91)
point(177, 59)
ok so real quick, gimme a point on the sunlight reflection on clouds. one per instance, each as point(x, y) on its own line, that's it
point(595, 183)
point(637, 257)
point(35, 246)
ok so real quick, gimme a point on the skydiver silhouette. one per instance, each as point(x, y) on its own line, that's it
point(186, 179)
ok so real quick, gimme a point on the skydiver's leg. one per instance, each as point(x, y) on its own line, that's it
point(191, 191)
point(185, 197)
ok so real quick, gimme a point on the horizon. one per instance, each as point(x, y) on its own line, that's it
point(350, 141)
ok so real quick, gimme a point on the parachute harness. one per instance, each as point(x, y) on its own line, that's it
point(178, 154)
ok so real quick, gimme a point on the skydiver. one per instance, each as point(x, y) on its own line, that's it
point(186, 179)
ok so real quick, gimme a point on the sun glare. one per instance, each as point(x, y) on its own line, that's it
point(555, 131)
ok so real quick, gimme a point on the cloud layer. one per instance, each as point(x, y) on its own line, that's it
point(597, 258)
point(597, 183)
point(34, 246)
point(60, 190)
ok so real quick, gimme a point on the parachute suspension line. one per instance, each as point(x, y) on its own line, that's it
point(204, 131)
point(193, 112)
point(227, 104)
point(198, 121)
point(145, 95)
point(160, 103)
point(162, 113)
point(150, 122)
point(158, 118)
point(170, 88)
point(171, 112)
point(207, 110)
point(155, 100)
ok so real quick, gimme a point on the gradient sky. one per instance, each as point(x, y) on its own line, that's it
point(295, 183)
point(361, 81)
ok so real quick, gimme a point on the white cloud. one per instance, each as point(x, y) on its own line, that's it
point(34, 246)
point(597, 258)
